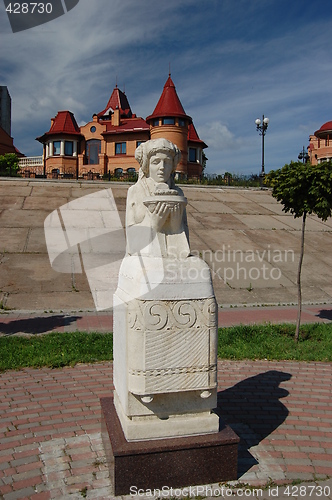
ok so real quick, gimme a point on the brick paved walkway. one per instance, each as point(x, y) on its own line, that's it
point(50, 427)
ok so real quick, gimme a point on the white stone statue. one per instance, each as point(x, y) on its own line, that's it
point(165, 314)
point(156, 204)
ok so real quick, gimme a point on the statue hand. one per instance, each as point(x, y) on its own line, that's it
point(159, 215)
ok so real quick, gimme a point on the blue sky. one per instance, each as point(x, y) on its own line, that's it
point(231, 62)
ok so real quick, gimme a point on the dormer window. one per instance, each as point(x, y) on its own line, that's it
point(168, 121)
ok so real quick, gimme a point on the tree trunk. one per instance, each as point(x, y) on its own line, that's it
point(299, 291)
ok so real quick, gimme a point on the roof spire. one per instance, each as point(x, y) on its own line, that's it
point(169, 69)
point(169, 103)
point(117, 99)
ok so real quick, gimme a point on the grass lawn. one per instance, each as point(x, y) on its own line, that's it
point(272, 342)
point(55, 350)
point(276, 342)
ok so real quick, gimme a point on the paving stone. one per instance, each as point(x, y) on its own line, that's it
point(13, 239)
point(19, 494)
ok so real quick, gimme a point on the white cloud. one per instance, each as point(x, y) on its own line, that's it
point(219, 137)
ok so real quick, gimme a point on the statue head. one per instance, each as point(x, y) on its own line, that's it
point(148, 153)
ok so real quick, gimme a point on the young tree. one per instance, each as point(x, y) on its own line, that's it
point(204, 160)
point(303, 189)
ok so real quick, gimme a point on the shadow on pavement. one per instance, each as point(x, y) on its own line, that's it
point(325, 314)
point(253, 409)
point(36, 325)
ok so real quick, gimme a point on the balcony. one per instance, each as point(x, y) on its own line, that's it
point(30, 161)
point(31, 166)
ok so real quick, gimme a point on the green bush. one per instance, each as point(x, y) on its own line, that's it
point(9, 164)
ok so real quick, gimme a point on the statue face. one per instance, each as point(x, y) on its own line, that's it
point(161, 166)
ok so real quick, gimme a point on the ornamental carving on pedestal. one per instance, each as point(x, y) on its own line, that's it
point(176, 346)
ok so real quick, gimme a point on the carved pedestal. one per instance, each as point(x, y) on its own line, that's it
point(165, 371)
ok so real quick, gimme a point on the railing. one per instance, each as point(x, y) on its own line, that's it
point(30, 161)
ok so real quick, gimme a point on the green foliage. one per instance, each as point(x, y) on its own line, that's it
point(303, 188)
point(276, 342)
point(121, 178)
point(226, 179)
point(54, 350)
point(204, 160)
point(9, 164)
point(273, 342)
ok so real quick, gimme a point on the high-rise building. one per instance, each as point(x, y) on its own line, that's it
point(5, 109)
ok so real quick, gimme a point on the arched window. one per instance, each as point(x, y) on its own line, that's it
point(93, 149)
point(118, 172)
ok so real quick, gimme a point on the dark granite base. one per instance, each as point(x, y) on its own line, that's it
point(171, 462)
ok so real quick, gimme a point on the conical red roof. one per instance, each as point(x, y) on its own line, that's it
point(118, 100)
point(169, 103)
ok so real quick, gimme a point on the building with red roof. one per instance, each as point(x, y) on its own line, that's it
point(107, 144)
point(111, 139)
point(320, 144)
point(7, 144)
point(62, 144)
point(169, 120)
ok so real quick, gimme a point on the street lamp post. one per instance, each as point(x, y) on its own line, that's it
point(261, 127)
point(303, 156)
